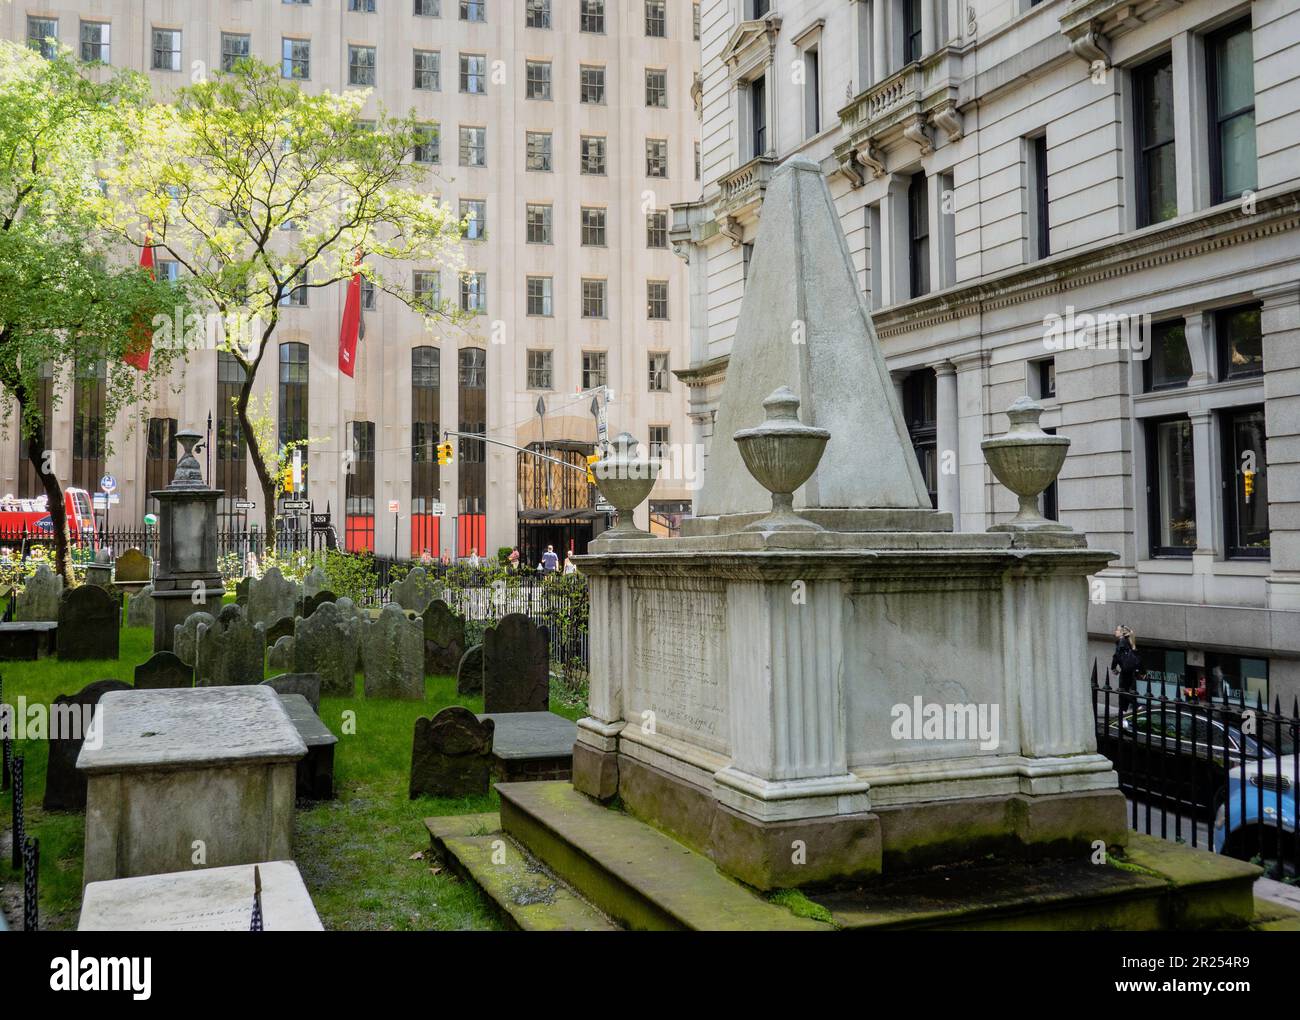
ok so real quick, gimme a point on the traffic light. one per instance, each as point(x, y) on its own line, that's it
point(591, 475)
point(445, 453)
point(286, 480)
point(1249, 480)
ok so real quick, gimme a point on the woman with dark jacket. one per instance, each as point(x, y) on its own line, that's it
point(1127, 664)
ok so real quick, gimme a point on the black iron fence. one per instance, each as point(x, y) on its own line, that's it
point(20, 542)
point(1219, 774)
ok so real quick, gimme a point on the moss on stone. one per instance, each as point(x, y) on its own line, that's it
point(800, 905)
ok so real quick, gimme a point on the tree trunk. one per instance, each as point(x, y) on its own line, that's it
point(259, 462)
point(58, 510)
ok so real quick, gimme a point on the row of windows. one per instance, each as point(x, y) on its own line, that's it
point(537, 13)
point(539, 298)
point(594, 370)
point(539, 150)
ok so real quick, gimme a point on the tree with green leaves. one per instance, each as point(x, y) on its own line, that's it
point(257, 188)
point(68, 298)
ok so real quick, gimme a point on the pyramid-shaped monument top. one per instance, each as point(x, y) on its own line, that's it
point(804, 324)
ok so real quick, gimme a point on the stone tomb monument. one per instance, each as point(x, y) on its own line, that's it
point(132, 570)
point(451, 755)
point(216, 764)
point(326, 643)
point(816, 600)
point(306, 684)
point(90, 618)
point(516, 666)
point(392, 649)
point(316, 770)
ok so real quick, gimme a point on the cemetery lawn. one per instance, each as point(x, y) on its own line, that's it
point(362, 854)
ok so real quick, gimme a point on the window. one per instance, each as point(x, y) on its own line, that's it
point(473, 10)
point(1169, 365)
point(362, 7)
point(473, 368)
point(473, 293)
point(234, 48)
point(920, 400)
point(697, 161)
point(593, 369)
point(473, 146)
point(1045, 373)
point(593, 227)
point(159, 457)
point(746, 257)
point(656, 19)
point(1245, 481)
point(537, 14)
point(758, 8)
point(473, 73)
point(912, 39)
point(94, 44)
point(593, 155)
point(1240, 341)
point(591, 16)
point(471, 473)
point(1042, 231)
point(537, 79)
point(539, 370)
point(656, 229)
point(918, 234)
point(656, 299)
point(591, 84)
point(659, 443)
point(537, 151)
point(231, 453)
point(656, 157)
point(537, 221)
point(299, 3)
point(474, 212)
point(425, 289)
point(428, 70)
point(1153, 93)
point(538, 295)
point(428, 8)
point(295, 296)
point(30, 483)
point(593, 299)
point(166, 51)
point(812, 93)
point(89, 435)
point(43, 36)
point(656, 88)
point(294, 359)
point(695, 22)
point(361, 65)
point(1230, 65)
point(295, 59)
point(168, 269)
point(428, 147)
point(1050, 500)
point(359, 491)
point(1171, 487)
point(757, 117)
point(658, 371)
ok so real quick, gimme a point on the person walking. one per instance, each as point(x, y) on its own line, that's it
point(550, 561)
point(1127, 663)
point(513, 559)
point(569, 566)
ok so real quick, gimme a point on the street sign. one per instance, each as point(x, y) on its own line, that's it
point(245, 504)
point(114, 498)
point(604, 507)
point(394, 506)
point(320, 522)
point(108, 483)
point(100, 500)
point(439, 509)
point(297, 504)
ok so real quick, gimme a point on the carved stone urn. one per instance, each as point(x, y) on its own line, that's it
point(781, 454)
point(1026, 460)
point(625, 480)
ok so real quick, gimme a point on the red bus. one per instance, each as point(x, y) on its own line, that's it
point(30, 518)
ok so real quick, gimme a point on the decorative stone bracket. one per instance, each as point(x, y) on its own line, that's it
point(1091, 26)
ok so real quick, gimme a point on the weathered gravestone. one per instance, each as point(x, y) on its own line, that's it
point(270, 597)
point(451, 755)
point(65, 787)
point(316, 771)
point(241, 591)
point(139, 607)
point(326, 643)
point(314, 602)
point(231, 651)
point(132, 569)
point(186, 638)
point(415, 591)
point(469, 673)
point(162, 671)
point(314, 581)
point(40, 595)
point(281, 627)
point(306, 684)
point(89, 621)
point(280, 654)
point(100, 572)
point(393, 651)
point(516, 666)
point(444, 638)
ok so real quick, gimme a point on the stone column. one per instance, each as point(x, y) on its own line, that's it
point(1280, 323)
point(893, 226)
point(929, 27)
point(972, 426)
point(1209, 535)
point(879, 41)
point(946, 441)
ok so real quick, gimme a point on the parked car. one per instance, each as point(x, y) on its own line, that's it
point(1256, 816)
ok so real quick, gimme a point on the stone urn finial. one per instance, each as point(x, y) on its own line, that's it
point(1026, 460)
point(781, 454)
point(188, 475)
point(625, 480)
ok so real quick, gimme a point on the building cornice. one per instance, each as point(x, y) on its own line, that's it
point(704, 373)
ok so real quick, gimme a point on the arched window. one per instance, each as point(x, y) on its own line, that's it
point(426, 376)
point(471, 474)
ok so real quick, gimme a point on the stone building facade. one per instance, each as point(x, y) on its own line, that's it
point(1091, 201)
point(568, 130)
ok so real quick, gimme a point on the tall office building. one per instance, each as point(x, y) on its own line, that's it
point(566, 130)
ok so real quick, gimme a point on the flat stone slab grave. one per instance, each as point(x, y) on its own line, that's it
point(28, 641)
point(316, 771)
point(531, 745)
point(207, 899)
point(174, 767)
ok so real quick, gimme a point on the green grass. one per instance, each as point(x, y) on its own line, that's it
point(355, 852)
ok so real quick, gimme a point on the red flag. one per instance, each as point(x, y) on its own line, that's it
point(140, 344)
point(351, 325)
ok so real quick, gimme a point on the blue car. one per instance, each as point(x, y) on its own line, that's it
point(1256, 814)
